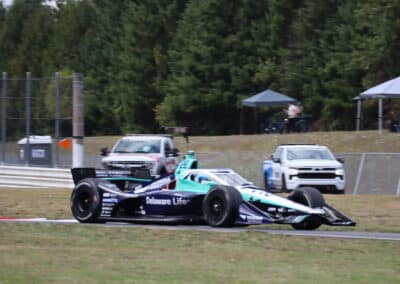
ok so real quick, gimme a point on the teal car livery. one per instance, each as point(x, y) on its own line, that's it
point(218, 197)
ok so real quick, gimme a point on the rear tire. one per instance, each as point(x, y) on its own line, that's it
point(310, 197)
point(86, 201)
point(221, 206)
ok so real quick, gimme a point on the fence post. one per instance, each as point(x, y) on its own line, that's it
point(78, 122)
point(28, 118)
point(359, 173)
point(3, 117)
point(380, 115)
point(358, 122)
point(57, 119)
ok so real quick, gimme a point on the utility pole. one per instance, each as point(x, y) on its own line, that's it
point(78, 122)
point(57, 119)
point(28, 118)
point(3, 118)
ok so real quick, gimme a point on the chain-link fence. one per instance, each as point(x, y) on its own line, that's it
point(40, 109)
point(366, 173)
point(36, 113)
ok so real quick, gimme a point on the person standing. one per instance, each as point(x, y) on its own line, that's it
point(293, 112)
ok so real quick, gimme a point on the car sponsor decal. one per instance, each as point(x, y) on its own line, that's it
point(174, 201)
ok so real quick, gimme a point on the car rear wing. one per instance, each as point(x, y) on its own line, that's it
point(141, 174)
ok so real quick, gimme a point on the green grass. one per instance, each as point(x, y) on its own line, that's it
point(78, 253)
point(371, 212)
point(48, 253)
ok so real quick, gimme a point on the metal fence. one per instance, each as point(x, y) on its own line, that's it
point(366, 173)
point(43, 106)
point(34, 106)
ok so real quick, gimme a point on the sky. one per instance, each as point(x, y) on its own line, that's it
point(6, 2)
point(9, 2)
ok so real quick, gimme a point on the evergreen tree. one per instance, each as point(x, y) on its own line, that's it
point(147, 30)
point(212, 61)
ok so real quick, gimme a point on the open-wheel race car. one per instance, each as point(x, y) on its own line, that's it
point(217, 197)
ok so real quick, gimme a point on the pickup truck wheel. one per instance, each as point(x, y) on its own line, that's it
point(284, 187)
point(221, 206)
point(266, 185)
point(162, 171)
point(310, 197)
point(86, 201)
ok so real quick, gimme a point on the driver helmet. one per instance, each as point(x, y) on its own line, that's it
point(201, 178)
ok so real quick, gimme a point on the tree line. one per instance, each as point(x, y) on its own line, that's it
point(190, 63)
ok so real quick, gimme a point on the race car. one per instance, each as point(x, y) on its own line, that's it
point(217, 197)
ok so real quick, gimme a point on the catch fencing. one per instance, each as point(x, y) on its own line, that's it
point(31, 107)
point(366, 173)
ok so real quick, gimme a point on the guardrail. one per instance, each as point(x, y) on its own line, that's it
point(35, 177)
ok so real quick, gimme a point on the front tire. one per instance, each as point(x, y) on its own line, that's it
point(86, 201)
point(310, 197)
point(221, 206)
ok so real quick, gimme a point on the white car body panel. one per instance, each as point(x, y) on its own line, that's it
point(247, 188)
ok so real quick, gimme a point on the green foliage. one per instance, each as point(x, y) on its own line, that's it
point(181, 62)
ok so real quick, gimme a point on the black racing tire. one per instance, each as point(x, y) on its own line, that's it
point(86, 201)
point(311, 197)
point(284, 187)
point(221, 206)
point(266, 185)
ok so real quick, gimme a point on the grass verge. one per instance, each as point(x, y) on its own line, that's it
point(378, 213)
point(49, 253)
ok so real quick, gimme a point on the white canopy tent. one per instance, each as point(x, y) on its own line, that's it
point(388, 89)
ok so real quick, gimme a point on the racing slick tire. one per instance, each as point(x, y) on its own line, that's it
point(221, 206)
point(310, 197)
point(86, 201)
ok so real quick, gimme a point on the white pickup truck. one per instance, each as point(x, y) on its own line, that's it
point(154, 152)
point(297, 165)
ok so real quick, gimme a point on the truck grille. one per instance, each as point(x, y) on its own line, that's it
point(317, 175)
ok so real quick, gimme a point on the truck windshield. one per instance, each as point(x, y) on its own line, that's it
point(309, 154)
point(138, 146)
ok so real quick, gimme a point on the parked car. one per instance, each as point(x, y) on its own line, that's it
point(292, 166)
point(154, 152)
point(217, 197)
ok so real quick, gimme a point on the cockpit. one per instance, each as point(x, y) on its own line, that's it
point(224, 177)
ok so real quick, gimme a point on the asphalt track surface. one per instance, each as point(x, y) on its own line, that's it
point(317, 233)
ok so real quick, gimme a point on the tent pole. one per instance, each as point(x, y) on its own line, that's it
point(241, 121)
point(255, 121)
point(358, 115)
point(380, 115)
